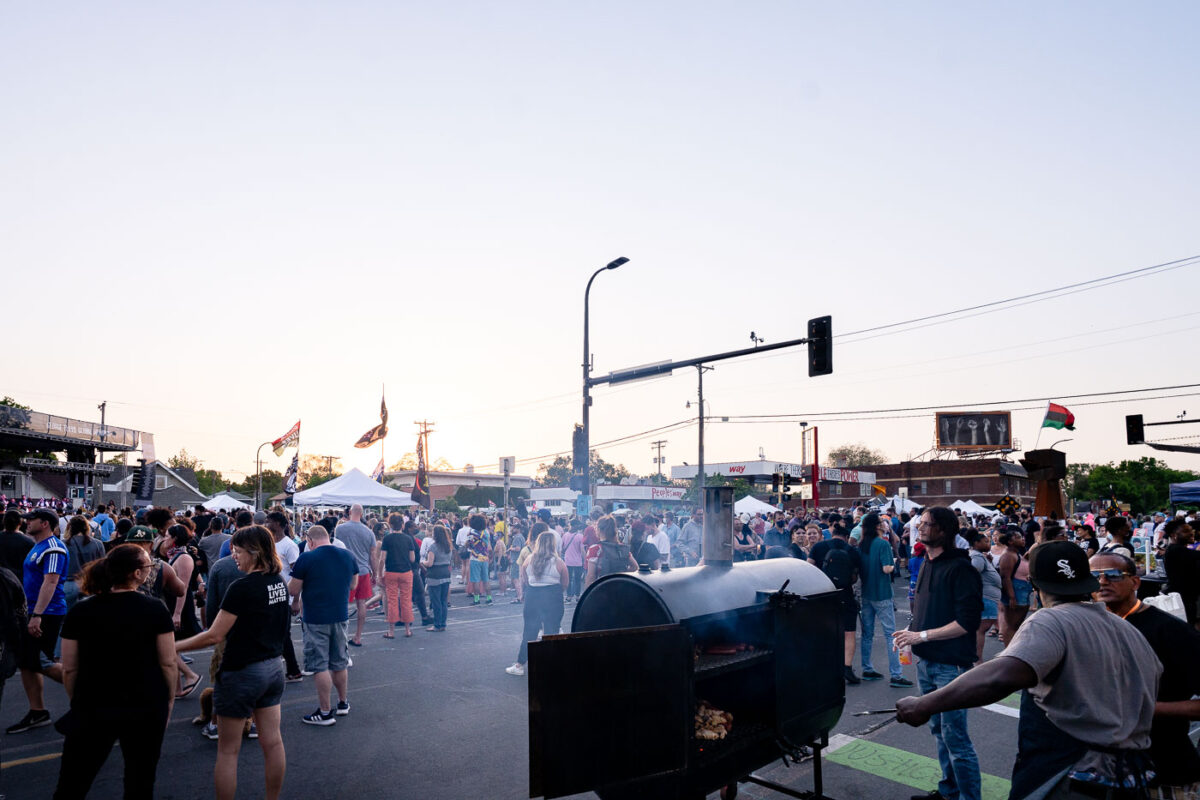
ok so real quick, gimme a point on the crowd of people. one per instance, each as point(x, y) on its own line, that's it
point(92, 596)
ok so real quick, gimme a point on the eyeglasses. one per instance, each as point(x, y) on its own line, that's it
point(1112, 574)
point(145, 565)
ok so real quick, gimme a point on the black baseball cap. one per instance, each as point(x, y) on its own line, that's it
point(1061, 567)
point(43, 514)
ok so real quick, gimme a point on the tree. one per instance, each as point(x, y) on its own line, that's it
point(1142, 483)
point(272, 483)
point(855, 455)
point(18, 420)
point(315, 470)
point(558, 472)
point(407, 461)
point(1077, 484)
point(183, 460)
point(741, 488)
point(209, 481)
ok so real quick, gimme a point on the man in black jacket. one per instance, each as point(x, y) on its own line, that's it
point(947, 606)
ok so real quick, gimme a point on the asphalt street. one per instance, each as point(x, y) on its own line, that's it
point(436, 716)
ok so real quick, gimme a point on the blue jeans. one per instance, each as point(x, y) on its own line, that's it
point(956, 754)
point(438, 597)
point(885, 612)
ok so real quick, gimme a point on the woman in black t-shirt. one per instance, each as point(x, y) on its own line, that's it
point(397, 556)
point(253, 622)
point(118, 653)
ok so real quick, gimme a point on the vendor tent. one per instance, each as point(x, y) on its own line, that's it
point(353, 487)
point(970, 507)
point(1185, 492)
point(224, 502)
point(900, 505)
point(752, 505)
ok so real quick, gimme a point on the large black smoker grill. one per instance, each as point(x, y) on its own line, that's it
point(612, 704)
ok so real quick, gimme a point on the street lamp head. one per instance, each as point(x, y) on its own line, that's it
point(617, 263)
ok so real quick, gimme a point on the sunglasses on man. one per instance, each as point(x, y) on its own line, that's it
point(1111, 574)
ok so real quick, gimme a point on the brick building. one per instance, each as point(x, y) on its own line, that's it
point(940, 483)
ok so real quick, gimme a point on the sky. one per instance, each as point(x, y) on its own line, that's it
point(224, 218)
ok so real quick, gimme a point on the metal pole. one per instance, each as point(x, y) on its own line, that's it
point(587, 369)
point(258, 462)
point(98, 480)
point(124, 474)
point(700, 392)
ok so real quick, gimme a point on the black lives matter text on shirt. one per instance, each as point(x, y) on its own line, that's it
point(116, 635)
point(260, 603)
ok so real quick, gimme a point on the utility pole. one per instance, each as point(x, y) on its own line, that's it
point(658, 445)
point(700, 370)
point(426, 429)
point(97, 479)
point(328, 464)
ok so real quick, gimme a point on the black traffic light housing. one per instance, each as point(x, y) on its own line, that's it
point(579, 459)
point(787, 485)
point(1135, 431)
point(820, 346)
point(776, 480)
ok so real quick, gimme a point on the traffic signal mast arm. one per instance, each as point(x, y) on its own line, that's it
point(652, 370)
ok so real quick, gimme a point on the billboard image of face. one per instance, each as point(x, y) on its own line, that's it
point(974, 430)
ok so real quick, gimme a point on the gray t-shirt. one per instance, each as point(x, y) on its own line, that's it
point(1097, 676)
point(211, 546)
point(221, 574)
point(988, 574)
point(359, 541)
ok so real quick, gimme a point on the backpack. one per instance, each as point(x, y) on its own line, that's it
point(13, 620)
point(614, 557)
point(838, 566)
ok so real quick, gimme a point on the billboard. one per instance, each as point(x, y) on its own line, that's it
point(974, 430)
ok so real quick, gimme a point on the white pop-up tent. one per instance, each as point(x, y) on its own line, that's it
point(752, 505)
point(970, 507)
point(224, 502)
point(353, 487)
point(901, 505)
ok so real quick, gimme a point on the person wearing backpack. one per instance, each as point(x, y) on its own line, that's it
point(842, 564)
point(609, 555)
point(981, 561)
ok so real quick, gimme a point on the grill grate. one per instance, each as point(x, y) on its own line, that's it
point(706, 753)
point(708, 666)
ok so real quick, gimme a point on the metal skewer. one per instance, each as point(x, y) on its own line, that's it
point(869, 713)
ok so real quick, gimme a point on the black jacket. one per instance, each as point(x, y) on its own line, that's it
point(949, 589)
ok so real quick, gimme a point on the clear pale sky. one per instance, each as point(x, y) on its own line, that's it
point(224, 218)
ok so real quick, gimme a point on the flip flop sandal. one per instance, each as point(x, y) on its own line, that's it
point(188, 688)
point(388, 636)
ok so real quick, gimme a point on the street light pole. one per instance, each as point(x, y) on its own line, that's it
point(700, 370)
point(258, 463)
point(587, 394)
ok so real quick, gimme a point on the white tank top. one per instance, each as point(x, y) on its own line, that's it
point(549, 575)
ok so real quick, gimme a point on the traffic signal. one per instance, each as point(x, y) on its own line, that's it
point(138, 477)
point(787, 486)
point(579, 459)
point(1135, 431)
point(820, 346)
point(776, 479)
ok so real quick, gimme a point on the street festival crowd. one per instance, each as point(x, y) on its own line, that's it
point(108, 602)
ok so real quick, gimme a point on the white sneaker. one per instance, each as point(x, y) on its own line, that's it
point(516, 669)
point(349, 662)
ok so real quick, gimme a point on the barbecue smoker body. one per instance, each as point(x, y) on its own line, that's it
point(612, 705)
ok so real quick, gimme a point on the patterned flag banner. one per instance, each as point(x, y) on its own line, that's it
point(289, 439)
point(378, 432)
point(1059, 417)
point(377, 475)
point(289, 480)
point(420, 490)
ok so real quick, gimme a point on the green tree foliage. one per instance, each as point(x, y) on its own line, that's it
point(741, 488)
point(315, 470)
point(183, 460)
point(470, 496)
point(448, 506)
point(558, 471)
point(13, 455)
point(210, 482)
point(272, 483)
point(855, 455)
point(1142, 483)
point(1078, 483)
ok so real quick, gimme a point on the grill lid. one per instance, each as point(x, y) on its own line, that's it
point(634, 600)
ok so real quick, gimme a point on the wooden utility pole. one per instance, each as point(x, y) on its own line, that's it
point(658, 446)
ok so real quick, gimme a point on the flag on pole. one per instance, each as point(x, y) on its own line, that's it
point(377, 475)
point(420, 490)
point(1058, 417)
point(289, 479)
point(491, 504)
point(378, 432)
point(289, 439)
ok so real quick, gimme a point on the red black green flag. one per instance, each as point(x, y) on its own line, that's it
point(1059, 417)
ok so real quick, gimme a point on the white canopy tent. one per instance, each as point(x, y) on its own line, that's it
point(752, 505)
point(353, 487)
point(901, 505)
point(970, 507)
point(224, 502)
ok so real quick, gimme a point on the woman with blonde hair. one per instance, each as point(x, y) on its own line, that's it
point(545, 576)
point(253, 621)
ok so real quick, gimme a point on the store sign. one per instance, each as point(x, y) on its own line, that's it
point(846, 475)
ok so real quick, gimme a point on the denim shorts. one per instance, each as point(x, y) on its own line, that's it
point(325, 647)
point(479, 571)
point(1022, 589)
point(990, 609)
point(240, 691)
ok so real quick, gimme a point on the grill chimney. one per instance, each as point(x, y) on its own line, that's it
point(716, 548)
